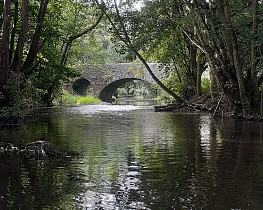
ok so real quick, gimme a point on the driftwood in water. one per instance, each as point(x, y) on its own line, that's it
point(35, 150)
point(201, 103)
point(205, 104)
point(181, 107)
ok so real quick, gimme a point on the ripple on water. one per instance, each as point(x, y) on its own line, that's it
point(93, 109)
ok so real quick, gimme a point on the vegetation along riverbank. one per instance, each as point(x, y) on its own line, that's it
point(207, 48)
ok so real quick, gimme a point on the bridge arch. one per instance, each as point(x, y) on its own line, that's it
point(108, 91)
point(101, 80)
point(80, 86)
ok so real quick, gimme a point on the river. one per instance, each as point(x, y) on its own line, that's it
point(135, 158)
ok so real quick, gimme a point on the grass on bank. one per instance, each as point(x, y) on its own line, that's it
point(68, 98)
point(88, 100)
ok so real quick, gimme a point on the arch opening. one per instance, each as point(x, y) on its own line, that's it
point(127, 88)
point(81, 87)
point(139, 89)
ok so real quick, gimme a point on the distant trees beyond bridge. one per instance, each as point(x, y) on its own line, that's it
point(104, 79)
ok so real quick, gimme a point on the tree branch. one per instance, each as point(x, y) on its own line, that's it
point(68, 43)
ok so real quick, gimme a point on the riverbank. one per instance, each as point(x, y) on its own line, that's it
point(205, 104)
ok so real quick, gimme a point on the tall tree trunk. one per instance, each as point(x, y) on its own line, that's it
point(254, 88)
point(199, 72)
point(34, 47)
point(14, 31)
point(4, 56)
point(212, 85)
point(208, 51)
point(192, 71)
point(22, 38)
point(231, 42)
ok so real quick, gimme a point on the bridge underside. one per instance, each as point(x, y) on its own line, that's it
point(107, 93)
point(80, 86)
point(83, 87)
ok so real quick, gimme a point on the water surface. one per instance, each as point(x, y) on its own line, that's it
point(135, 158)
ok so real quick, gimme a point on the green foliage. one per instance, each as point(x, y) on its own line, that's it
point(11, 100)
point(68, 98)
point(11, 112)
point(205, 84)
point(87, 100)
point(48, 78)
point(31, 95)
point(136, 88)
point(165, 99)
point(94, 48)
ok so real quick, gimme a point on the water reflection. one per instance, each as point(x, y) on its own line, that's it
point(135, 101)
point(135, 158)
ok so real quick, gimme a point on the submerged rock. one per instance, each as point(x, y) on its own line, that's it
point(38, 150)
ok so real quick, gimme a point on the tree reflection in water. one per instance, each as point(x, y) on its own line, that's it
point(136, 159)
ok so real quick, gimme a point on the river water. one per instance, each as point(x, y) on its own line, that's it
point(135, 158)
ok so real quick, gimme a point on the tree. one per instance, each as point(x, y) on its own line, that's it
point(12, 66)
point(221, 30)
point(31, 47)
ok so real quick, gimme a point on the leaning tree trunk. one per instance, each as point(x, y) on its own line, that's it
point(4, 56)
point(169, 91)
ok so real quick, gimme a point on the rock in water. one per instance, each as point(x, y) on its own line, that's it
point(36, 150)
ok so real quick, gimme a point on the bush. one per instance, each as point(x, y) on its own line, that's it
point(11, 100)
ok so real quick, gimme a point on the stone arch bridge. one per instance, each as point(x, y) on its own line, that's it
point(104, 79)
